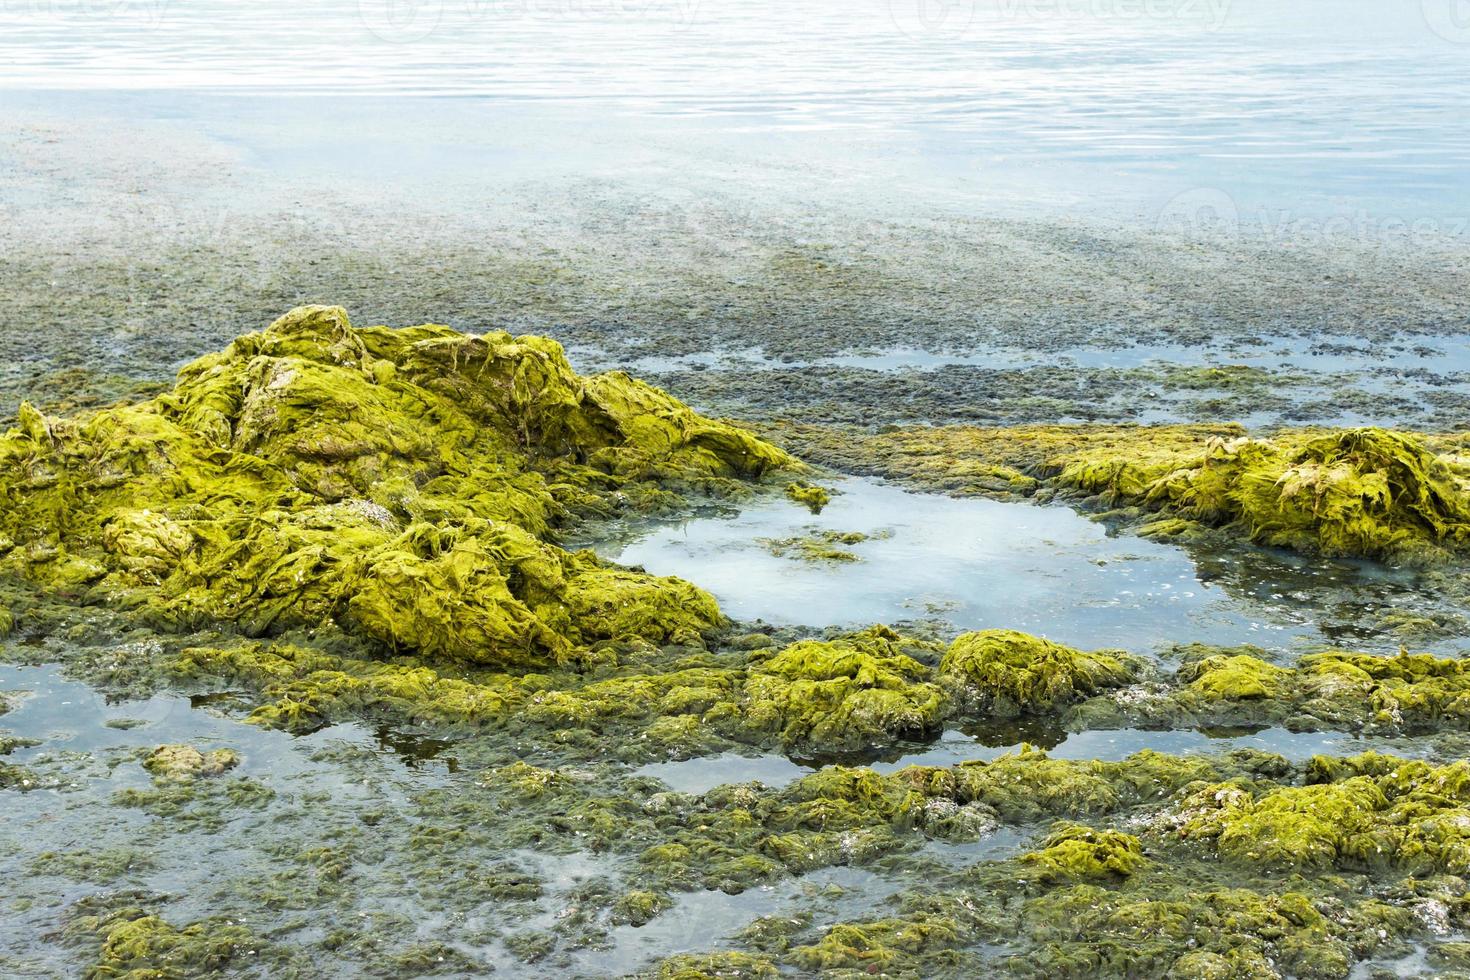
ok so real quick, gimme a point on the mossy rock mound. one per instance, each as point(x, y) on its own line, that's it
point(1368, 812)
point(1364, 492)
point(1072, 852)
point(1010, 673)
point(844, 695)
point(404, 484)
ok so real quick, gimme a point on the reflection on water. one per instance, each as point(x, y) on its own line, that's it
point(982, 745)
point(979, 564)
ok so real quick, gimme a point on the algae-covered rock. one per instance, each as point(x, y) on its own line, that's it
point(1073, 852)
point(843, 695)
point(872, 946)
point(1010, 673)
point(1410, 693)
point(1240, 677)
point(1179, 930)
point(184, 762)
point(1364, 492)
point(1366, 812)
point(640, 907)
point(1360, 492)
point(403, 483)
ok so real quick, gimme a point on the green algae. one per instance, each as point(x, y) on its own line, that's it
point(1233, 678)
point(809, 495)
point(716, 966)
point(567, 660)
point(99, 867)
point(844, 695)
point(1012, 673)
point(139, 946)
point(1404, 694)
point(180, 763)
point(1073, 852)
point(849, 694)
point(818, 546)
point(1366, 812)
point(405, 484)
point(1365, 492)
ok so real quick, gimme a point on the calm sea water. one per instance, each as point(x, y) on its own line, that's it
point(1181, 111)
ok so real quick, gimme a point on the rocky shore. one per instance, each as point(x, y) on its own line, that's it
point(325, 529)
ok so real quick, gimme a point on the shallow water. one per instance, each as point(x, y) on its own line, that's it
point(955, 746)
point(344, 790)
point(980, 564)
point(1322, 118)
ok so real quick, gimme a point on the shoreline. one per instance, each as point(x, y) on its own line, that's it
point(145, 241)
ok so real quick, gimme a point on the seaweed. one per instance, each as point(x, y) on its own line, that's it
point(1010, 673)
point(404, 484)
point(1365, 492)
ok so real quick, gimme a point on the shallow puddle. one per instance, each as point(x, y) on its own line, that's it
point(955, 746)
point(977, 563)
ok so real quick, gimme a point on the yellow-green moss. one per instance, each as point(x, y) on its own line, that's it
point(404, 483)
point(1073, 852)
point(1012, 673)
point(809, 495)
point(184, 762)
point(1365, 812)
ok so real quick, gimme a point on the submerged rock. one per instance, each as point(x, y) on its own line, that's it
point(404, 484)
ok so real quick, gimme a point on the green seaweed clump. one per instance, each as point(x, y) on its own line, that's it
point(405, 485)
point(809, 495)
point(871, 947)
point(1073, 852)
point(843, 695)
point(1366, 812)
point(138, 946)
point(818, 546)
point(1355, 492)
point(180, 763)
point(1009, 673)
point(715, 966)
